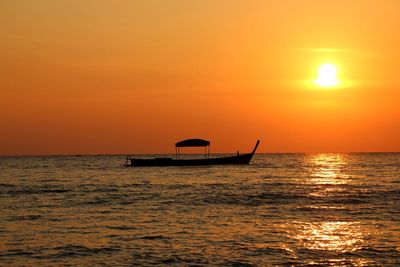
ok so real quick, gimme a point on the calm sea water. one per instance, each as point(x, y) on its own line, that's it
point(283, 209)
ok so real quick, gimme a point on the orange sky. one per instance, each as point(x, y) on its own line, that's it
point(94, 76)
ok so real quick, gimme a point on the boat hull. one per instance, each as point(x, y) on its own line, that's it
point(163, 162)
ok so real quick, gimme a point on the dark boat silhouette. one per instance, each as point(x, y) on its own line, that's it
point(163, 162)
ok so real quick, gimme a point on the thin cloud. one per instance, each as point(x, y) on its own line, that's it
point(356, 52)
point(330, 50)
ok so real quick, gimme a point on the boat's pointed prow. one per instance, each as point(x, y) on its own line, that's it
point(255, 148)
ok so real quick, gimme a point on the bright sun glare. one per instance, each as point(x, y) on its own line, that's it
point(327, 75)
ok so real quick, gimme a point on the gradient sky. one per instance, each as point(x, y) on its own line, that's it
point(95, 76)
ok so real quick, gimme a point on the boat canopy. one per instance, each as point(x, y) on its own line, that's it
point(192, 143)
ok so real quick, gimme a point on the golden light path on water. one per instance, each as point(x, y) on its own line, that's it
point(337, 235)
point(328, 169)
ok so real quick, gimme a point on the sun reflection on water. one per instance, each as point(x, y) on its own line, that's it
point(339, 236)
point(327, 184)
point(328, 169)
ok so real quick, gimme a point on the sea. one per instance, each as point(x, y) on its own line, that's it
point(332, 209)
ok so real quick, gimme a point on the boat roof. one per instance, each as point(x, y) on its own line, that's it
point(192, 143)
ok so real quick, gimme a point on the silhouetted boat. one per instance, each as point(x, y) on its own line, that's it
point(163, 162)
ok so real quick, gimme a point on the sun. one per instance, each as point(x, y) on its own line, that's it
point(327, 75)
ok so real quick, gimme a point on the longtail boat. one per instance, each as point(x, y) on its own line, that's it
point(179, 161)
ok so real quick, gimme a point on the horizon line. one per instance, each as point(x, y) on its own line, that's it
point(129, 154)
